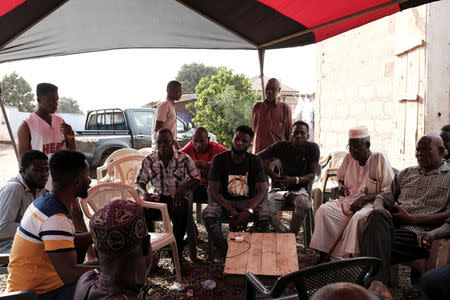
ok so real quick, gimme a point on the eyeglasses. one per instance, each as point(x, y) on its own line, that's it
point(353, 147)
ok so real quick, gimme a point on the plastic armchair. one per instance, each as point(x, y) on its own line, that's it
point(329, 166)
point(113, 156)
point(308, 280)
point(103, 194)
point(20, 295)
point(146, 151)
point(125, 169)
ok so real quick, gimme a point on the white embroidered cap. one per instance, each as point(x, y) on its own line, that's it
point(358, 132)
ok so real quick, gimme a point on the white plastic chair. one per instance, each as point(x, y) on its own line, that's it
point(103, 194)
point(145, 151)
point(113, 156)
point(125, 169)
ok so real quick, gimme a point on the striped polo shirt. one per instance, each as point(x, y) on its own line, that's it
point(45, 227)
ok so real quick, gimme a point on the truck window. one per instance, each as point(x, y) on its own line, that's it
point(144, 121)
point(106, 120)
point(180, 126)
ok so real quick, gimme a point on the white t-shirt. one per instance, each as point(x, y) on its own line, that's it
point(165, 112)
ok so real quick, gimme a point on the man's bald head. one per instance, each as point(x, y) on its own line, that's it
point(200, 140)
point(272, 89)
point(429, 152)
point(343, 291)
point(445, 136)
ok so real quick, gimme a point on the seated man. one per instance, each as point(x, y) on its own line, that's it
point(237, 190)
point(19, 192)
point(417, 201)
point(362, 176)
point(436, 283)
point(202, 151)
point(299, 161)
point(124, 264)
point(445, 136)
point(43, 256)
point(170, 173)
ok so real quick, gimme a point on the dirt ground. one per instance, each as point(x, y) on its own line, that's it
point(194, 272)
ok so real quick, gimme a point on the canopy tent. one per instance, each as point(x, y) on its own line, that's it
point(41, 28)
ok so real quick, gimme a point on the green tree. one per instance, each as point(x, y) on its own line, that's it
point(16, 91)
point(189, 75)
point(224, 102)
point(69, 106)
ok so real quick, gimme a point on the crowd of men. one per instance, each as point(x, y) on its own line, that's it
point(376, 213)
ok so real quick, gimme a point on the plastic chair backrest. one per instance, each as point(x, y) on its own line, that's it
point(119, 154)
point(20, 295)
point(126, 168)
point(310, 279)
point(145, 151)
point(103, 194)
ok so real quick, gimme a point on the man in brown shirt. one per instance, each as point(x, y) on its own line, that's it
point(272, 120)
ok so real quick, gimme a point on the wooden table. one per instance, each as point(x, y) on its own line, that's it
point(268, 254)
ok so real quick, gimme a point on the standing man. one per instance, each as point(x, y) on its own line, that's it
point(202, 151)
point(417, 201)
point(445, 136)
point(19, 192)
point(46, 249)
point(166, 116)
point(271, 119)
point(237, 190)
point(299, 161)
point(362, 176)
point(171, 173)
point(43, 130)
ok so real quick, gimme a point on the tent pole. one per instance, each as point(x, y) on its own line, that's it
point(261, 71)
point(13, 141)
point(352, 16)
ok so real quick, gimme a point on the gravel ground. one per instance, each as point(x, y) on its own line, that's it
point(194, 272)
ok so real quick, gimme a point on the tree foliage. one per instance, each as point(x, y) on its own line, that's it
point(224, 102)
point(16, 91)
point(69, 106)
point(189, 75)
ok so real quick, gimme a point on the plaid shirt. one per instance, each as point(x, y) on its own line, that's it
point(165, 181)
point(420, 193)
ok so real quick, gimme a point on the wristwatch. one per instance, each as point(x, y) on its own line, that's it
point(250, 211)
point(297, 180)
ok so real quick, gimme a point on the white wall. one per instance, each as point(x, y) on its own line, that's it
point(16, 118)
point(438, 65)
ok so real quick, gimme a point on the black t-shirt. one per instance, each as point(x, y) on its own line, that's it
point(295, 161)
point(237, 182)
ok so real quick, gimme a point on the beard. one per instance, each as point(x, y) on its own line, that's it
point(237, 152)
point(83, 193)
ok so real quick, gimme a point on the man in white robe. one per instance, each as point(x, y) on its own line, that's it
point(362, 176)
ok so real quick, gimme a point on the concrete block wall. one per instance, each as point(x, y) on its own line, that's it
point(362, 72)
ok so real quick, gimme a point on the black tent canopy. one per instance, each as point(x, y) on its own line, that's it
point(41, 28)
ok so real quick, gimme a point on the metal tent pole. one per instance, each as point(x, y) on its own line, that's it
point(261, 71)
point(13, 141)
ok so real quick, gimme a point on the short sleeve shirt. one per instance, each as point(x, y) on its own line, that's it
point(294, 161)
point(45, 227)
point(213, 149)
point(165, 112)
point(237, 181)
